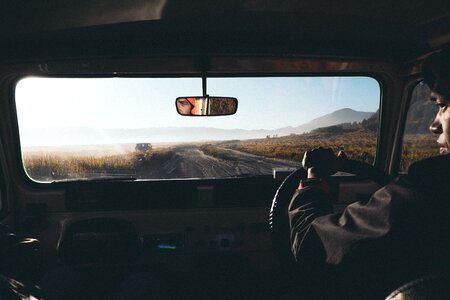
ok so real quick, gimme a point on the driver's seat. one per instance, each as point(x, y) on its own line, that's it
point(424, 288)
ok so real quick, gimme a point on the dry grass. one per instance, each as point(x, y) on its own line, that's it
point(358, 145)
point(56, 166)
point(45, 167)
point(417, 147)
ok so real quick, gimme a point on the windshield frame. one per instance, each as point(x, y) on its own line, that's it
point(378, 77)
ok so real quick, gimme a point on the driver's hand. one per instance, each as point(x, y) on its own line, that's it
point(322, 162)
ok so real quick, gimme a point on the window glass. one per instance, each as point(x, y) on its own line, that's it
point(88, 128)
point(418, 142)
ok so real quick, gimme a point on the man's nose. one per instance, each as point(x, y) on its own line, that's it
point(436, 126)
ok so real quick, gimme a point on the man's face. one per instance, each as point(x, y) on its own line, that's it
point(184, 106)
point(441, 124)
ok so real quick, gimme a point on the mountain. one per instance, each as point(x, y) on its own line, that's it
point(345, 115)
point(32, 137)
point(185, 134)
point(89, 136)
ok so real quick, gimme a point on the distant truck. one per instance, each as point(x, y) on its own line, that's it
point(143, 147)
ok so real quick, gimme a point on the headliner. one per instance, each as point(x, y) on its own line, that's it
point(383, 29)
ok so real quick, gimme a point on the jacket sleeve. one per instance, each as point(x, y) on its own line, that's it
point(336, 235)
point(306, 205)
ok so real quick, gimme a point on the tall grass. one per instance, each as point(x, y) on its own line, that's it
point(45, 167)
point(358, 145)
point(54, 166)
point(417, 147)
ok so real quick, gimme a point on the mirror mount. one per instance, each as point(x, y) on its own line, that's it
point(205, 105)
point(205, 93)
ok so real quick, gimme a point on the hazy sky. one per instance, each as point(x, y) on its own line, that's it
point(264, 103)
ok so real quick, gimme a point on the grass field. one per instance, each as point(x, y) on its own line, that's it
point(417, 147)
point(42, 166)
point(359, 145)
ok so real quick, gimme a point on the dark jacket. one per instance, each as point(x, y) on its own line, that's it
point(373, 247)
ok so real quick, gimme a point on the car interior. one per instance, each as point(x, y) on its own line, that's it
point(143, 143)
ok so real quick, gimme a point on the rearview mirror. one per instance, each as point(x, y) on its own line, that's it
point(206, 106)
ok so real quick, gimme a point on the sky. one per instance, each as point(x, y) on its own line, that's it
point(263, 103)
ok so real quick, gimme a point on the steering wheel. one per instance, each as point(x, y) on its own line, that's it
point(278, 218)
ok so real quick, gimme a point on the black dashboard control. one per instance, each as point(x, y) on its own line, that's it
point(224, 243)
point(189, 229)
point(200, 243)
point(240, 227)
point(258, 227)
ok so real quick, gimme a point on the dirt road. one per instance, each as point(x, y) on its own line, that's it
point(190, 162)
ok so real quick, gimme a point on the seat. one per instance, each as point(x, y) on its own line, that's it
point(97, 254)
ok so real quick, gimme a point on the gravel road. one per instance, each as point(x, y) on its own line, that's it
point(190, 162)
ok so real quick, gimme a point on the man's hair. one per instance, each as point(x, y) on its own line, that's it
point(436, 72)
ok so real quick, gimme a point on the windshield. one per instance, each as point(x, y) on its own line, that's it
point(86, 128)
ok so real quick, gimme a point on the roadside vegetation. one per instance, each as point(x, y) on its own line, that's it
point(42, 166)
point(417, 147)
point(358, 144)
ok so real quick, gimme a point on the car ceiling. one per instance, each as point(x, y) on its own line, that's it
point(384, 29)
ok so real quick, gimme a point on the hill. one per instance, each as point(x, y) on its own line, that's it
point(345, 115)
